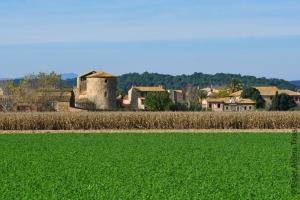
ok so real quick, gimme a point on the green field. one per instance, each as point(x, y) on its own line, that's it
point(145, 166)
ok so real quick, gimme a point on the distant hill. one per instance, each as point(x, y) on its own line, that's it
point(125, 81)
point(295, 83)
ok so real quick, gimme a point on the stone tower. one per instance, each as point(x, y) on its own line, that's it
point(99, 88)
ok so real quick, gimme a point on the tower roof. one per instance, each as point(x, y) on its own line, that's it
point(101, 75)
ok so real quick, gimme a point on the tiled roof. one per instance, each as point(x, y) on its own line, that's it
point(245, 101)
point(289, 92)
point(267, 90)
point(101, 75)
point(228, 100)
point(178, 91)
point(150, 89)
point(236, 94)
point(216, 100)
point(87, 73)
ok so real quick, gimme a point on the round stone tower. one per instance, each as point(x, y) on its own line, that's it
point(101, 89)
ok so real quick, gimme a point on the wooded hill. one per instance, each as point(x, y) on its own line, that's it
point(197, 79)
point(297, 83)
point(125, 81)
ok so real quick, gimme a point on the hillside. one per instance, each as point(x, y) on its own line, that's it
point(297, 83)
point(197, 79)
point(125, 81)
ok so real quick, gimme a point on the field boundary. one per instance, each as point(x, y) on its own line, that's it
point(140, 131)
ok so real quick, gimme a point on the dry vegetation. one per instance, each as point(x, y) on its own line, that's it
point(148, 120)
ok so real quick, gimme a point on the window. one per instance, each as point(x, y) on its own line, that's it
point(105, 80)
point(245, 107)
point(219, 105)
point(271, 98)
point(226, 108)
point(209, 105)
point(250, 107)
point(105, 94)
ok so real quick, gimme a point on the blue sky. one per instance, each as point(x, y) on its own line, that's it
point(255, 37)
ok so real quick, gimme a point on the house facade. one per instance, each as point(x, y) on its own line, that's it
point(137, 95)
point(96, 90)
point(176, 96)
point(228, 104)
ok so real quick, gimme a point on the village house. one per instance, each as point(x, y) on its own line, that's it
point(96, 90)
point(268, 93)
point(60, 100)
point(1, 92)
point(176, 96)
point(136, 95)
point(228, 104)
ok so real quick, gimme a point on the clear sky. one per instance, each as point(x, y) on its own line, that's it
point(255, 37)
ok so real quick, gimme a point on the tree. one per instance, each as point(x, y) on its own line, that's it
point(235, 85)
point(202, 94)
point(158, 101)
point(194, 96)
point(254, 94)
point(32, 90)
point(221, 94)
point(282, 102)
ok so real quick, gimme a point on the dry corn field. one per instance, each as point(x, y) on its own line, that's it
point(148, 120)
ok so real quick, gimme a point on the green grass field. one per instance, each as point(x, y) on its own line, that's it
point(145, 166)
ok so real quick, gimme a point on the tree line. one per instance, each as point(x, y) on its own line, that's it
point(32, 90)
point(126, 81)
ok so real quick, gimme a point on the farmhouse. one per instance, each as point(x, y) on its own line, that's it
point(1, 92)
point(59, 100)
point(96, 90)
point(268, 93)
point(228, 104)
point(136, 95)
point(176, 95)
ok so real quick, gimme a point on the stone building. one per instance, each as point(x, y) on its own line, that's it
point(269, 92)
point(177, 96)
point(59, 100)
point(96, 90)
point(136, 95)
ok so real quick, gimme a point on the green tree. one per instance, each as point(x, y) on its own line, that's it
point(235, 85)
point(202, 94)
point(282, 102)
point(222, 94)
point(158, 101)
point(254, 94)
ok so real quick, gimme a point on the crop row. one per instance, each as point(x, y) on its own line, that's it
point(148, 120)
